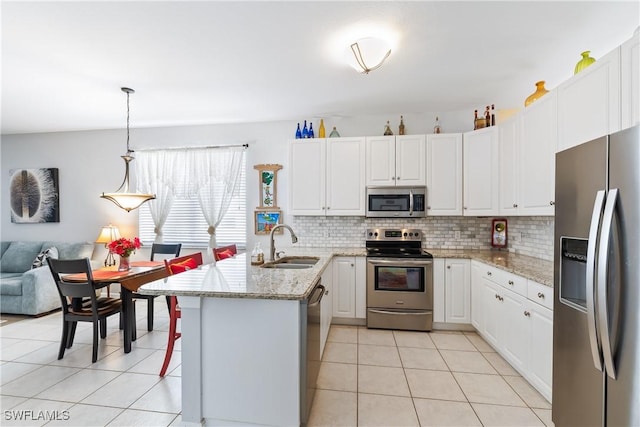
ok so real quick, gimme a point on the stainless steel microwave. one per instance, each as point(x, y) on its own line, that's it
point(396, 202)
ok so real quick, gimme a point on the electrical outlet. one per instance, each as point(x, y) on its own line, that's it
point(457, 234)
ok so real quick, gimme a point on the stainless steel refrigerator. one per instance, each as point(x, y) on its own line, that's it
point(596, 326)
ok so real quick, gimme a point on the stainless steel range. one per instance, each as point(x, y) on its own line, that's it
point(399, 280)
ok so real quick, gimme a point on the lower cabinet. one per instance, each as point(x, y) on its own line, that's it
point(326, 306)
point(452, 290)
point(518, 326)
point(349, 287)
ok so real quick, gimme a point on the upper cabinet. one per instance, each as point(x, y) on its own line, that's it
point(395, 160)
point(536, 171)
point(481, 174)
point(444, 174)
point(327, 176)
point(509, 141)
point(630, 74)
point(589, 102)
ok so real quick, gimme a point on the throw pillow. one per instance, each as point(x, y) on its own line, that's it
point(179, 267)
point(41, 258)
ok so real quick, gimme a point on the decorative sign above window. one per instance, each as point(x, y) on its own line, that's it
point(267, 175)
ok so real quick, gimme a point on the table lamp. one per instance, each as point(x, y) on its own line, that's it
point(107, 235)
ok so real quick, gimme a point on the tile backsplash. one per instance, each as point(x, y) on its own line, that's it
point(532, 236)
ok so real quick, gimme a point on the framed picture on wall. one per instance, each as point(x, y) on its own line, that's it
point(268, 176)
point(266, 220)
point(34, 195)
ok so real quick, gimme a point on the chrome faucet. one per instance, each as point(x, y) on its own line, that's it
point(272, 247)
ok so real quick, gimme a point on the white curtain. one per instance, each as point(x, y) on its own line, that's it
point(157, 173)
point(213, 178)
point(210, 174)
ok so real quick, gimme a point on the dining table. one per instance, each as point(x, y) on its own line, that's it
point(139, 273)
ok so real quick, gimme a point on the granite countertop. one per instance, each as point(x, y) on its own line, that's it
point(237, 278)
point(536, 269)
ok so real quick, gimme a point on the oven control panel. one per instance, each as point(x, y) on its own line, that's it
point(393, 234)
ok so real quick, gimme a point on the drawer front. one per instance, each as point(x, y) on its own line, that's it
point(540, 294)
point(505, 279)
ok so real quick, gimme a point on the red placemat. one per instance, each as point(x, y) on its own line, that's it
point(146, 263)
point(97, 275)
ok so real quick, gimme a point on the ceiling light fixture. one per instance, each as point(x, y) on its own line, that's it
point(376, 50)
point(122, 197)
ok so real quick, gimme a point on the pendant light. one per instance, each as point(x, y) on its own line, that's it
point(122, 197)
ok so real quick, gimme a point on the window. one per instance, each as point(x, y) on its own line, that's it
point(185, 224)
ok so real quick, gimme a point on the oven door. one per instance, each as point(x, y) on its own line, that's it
point(397, 283)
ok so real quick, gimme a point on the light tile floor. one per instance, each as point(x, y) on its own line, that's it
point(399, 378)
point(367, 378)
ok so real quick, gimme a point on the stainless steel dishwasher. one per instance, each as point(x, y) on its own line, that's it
point(309, 349)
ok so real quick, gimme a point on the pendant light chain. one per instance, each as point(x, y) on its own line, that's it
point(128, 149)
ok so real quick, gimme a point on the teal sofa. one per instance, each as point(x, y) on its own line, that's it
point(32, 291)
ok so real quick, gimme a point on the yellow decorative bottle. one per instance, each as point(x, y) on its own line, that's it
point(321, 133)
point(540, 91)
point(584, 62)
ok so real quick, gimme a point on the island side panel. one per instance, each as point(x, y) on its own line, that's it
point(191, 360)
point(250, 361)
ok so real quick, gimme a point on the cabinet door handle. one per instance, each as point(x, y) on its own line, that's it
point(328, 207)
point(515, 205)
point(428, 207)
point(511, 282)
point(448, 266)
point(488, 273)
point(393, 178)
point(540, 295)
point(501, 298)
point(326, 292)
point(526, 313)
point(351, 265)
point(464, 208)
point(398, 178)
point(497, 296)
point(552, 203)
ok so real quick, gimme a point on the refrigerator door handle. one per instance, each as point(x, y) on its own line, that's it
point(592, 247)
point(602, 285)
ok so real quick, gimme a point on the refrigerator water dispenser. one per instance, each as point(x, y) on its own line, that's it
point(573, 272)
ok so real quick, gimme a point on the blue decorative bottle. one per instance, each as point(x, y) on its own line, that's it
point(305, 131)
point(311, 135)
point(298, 132)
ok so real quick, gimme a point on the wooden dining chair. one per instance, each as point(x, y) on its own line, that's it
point(173, 250)
point(224, 252)
point(176, 266)
point(79, 302)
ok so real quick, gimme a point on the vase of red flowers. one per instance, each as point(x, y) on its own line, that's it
point(124, 247)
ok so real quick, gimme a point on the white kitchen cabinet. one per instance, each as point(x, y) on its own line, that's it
point(630, 81)
point(444, 174)
point(481, 172)
point(536, 166)
point(326, 306)
point(509, 140)
point(476, 295)
point(349, 287)
point(395, 160)
point(516, 321)
point(457, 291)
point(589, 102)
point(540, 362)
point(308, 176)
point(327, 176)
point(344, 287)
point(451, 290)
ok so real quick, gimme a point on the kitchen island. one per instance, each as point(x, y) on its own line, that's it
point(243, 340)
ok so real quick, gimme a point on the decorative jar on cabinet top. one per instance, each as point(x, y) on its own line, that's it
point(540, 91)
point(584, 62)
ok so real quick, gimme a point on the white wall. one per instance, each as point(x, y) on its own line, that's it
point(89, 163)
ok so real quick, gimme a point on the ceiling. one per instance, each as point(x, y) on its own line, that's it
point(210, 62)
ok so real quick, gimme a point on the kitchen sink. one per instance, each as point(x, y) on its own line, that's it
point(292, 262)
point(286, 265)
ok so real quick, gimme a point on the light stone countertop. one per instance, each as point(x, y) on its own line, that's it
point(236, 278)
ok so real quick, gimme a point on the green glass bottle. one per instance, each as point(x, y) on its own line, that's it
point(584, 62)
